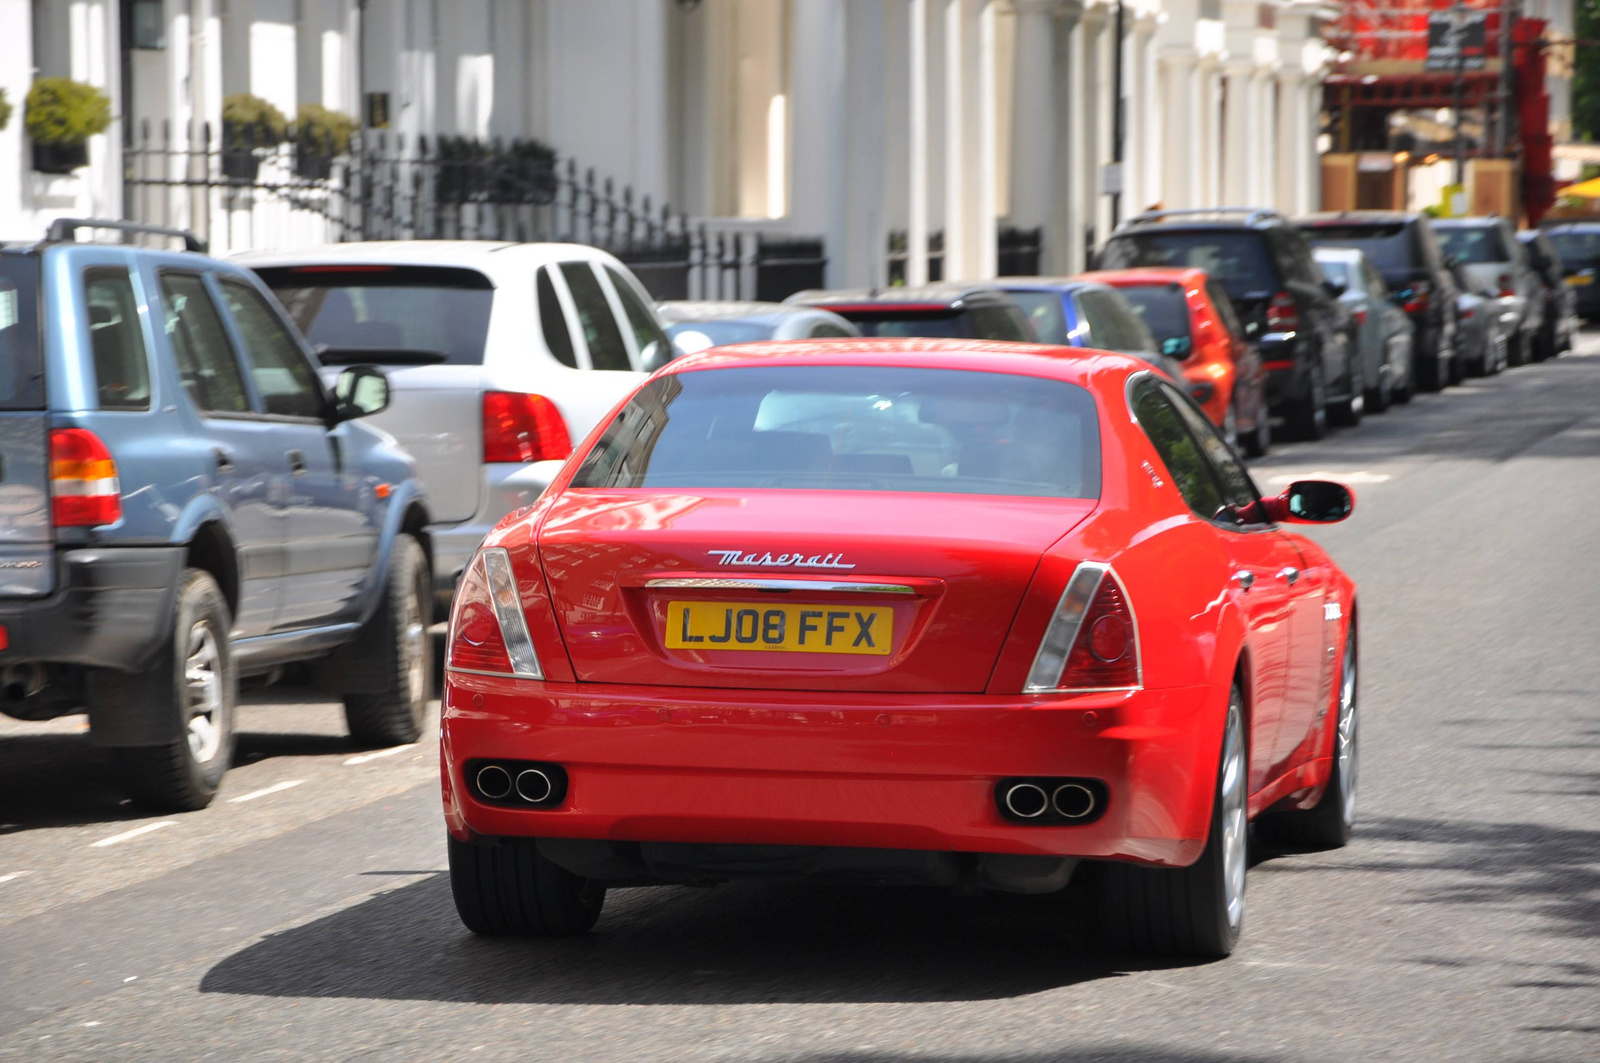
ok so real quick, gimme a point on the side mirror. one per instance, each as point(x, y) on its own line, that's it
point(1312, 502)
point(655, 355)
point(360, 391)
point(1335, 288)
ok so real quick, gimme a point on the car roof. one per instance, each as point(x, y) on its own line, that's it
point(488, 256)
point(1077, 365)
point(1485, 222)
point(1049, 284)
point(1359, 217)
point(1572, 227)
point(1137, 275)
point(678, 311)
point(1246, 219)
point(950, 295)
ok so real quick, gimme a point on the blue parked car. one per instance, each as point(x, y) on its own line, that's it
point(182, 503)
point(1082, 313)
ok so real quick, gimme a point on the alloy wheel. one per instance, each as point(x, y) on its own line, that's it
point(1235, 825)
point(414, 632)
point(202, 680)
point(1349, 761)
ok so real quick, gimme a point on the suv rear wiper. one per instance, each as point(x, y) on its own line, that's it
point(380, 355)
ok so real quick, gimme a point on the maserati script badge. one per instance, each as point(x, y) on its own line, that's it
point(767, 560)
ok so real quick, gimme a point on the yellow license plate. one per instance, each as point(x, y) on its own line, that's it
point(789, 628)
point(1578, 280)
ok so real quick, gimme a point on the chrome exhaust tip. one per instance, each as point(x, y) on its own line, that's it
point(1027, 801)
point(493, 782)
point(1073, 801)
point(533, 785)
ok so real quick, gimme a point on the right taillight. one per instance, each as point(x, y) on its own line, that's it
point(1092, 642)
point(521, 428)
point(488, 631)
point(84, 490)
point(1282, 314)
point(1507, 286)
point(1414, 299)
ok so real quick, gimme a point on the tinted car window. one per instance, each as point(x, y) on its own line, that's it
point(21, 360)
point(1044, 313)
point(1578, 248)
point(200, 346)
point(284, 379)
point(827, 330)
point(393, 314)
point(1224, 306)
point(694, 336)
point(553, 321)
point(1337, 269)
point(1182, 456)
point(861, 428)
point(1389, 245)
point(1237, 259)
point(606, 347)
point(647, 334)
point(946, 325)
point(121, 365)
point(1165, 312)
point(1237, 489)
point(1112, 326)
point(999, 323)
point(1474, 244)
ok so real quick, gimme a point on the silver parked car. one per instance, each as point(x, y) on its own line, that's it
point(1493, 262)
point(1486, 327)
point(694, 326)
point(500, 357)
point(1384, 333)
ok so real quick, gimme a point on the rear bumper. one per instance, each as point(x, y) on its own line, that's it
point(109, 610)
point(749, 767)
point(1282, 359)
point(506, 487)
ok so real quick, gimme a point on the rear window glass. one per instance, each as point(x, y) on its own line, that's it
point(1164, 311)
point(691, 336)
point(21, 363)
point(858, 428)
point(1337, 269)
point(1237, 259)
point(1474, 244)
point(1578, 250)
point(395, 315)
point(1387, 246)
point(1044, 313)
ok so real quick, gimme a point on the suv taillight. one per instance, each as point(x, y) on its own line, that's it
point(1414, 300)
point(522, 428)
point(488, 631)
point(1507, 288)
point(1092, 642)
point(84, 491)
point(1282, 314)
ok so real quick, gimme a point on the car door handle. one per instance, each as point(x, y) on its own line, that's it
point(1289, 573)
point(297, 462)
point(223, 459)
point(1245, 578)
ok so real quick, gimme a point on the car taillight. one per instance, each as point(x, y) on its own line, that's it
point(1282, 314)
point(1507, 290)
point(84, 491)
point(1092, 641)
point(522, 428)
point(1361, 317)
point(488, 632)
point(1414, 299)
point(1468, 314)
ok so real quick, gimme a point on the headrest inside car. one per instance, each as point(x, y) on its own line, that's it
point(944, 410)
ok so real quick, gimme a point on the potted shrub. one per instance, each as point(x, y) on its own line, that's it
point(60, 116)
point(5, 110)
point(320, 136)
point(250, 127)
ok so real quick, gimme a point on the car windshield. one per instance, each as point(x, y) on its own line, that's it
point(1579, 249)
point(1165, 312)
point(856, 428)
point(1044, 313)
point(1474, 244)
point(691, 336)
point(401, 314)
point(1237, 259)
point(21, 362)
point(1387, 246)
point(1336, 269)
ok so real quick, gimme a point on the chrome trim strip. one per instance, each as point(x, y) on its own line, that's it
point(480, 671)
point(757, 584)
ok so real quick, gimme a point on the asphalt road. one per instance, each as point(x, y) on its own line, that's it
point(306, 915)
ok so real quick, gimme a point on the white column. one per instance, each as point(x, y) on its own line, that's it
point(1182, 169)
point(956, 145)
point(1263, 185)
point(1063, 240)
point(1239, 138)
point(917, 161)
point(859, 240)
point(1208, 156)
point(985, 260)
point(1075, 151)
point(1033, 174)
point(1291, 150)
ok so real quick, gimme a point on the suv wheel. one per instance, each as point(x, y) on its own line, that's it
point(1348, 411)
point(390, 710)
point(1308, 417)
point(194, 687)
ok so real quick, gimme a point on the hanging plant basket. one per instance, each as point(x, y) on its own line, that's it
point(59, 158)
point(240, 164)
point(60, 116)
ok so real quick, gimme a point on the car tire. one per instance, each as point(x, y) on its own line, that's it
point(1256, 442)
point(510, 890)
point(1308, 414)
point(194, 685)
point(393, 701)
point(1348, 412)
point(1327, 824)
point(1196, 910)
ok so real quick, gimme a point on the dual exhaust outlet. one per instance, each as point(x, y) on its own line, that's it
point(517, 783)
point(1051, 800)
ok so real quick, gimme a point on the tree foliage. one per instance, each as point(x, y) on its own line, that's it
point(1586, 72)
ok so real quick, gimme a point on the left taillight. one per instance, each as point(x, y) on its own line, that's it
point(84, 490)
point(488, 631)
point(1282, 313)
point(1092, 642)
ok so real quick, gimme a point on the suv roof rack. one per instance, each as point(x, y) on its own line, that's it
point(1252, 215)
point(63, 230)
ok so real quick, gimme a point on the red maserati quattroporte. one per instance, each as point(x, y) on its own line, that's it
point(899, 611)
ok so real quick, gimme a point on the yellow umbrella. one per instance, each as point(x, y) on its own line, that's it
point(1589, 189)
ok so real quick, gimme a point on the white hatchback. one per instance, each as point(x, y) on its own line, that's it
point(500, 357)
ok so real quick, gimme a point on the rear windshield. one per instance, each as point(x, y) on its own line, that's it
point(1578, 250)
point(853, 428)
point(399, 315)
point(1474, 244)
point(21, 363)
point(1165, 312)
point(1237, 259)
point(694, 336)
point(1388, 246)
point(1337, 269)
point(1044, 313)
point(973, 323)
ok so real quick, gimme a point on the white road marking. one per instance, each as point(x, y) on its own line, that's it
point(134, 833)
point(391, 751)
point(13, 875)
point(274, 789)
point(1360, 476)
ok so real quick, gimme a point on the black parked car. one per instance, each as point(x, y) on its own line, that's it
point(1289, 309)
point(1578, 246)
point(1407, 252)
point(961, 311)
point(1555, 334)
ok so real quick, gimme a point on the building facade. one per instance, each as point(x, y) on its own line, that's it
point(927, 126)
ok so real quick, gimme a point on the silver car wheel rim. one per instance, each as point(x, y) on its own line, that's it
point(1349, 760)
point(202, 683)
point(1234, 822)
point(414, 632)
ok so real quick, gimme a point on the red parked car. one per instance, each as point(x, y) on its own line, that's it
point(1194, 322)
point(899, 611)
